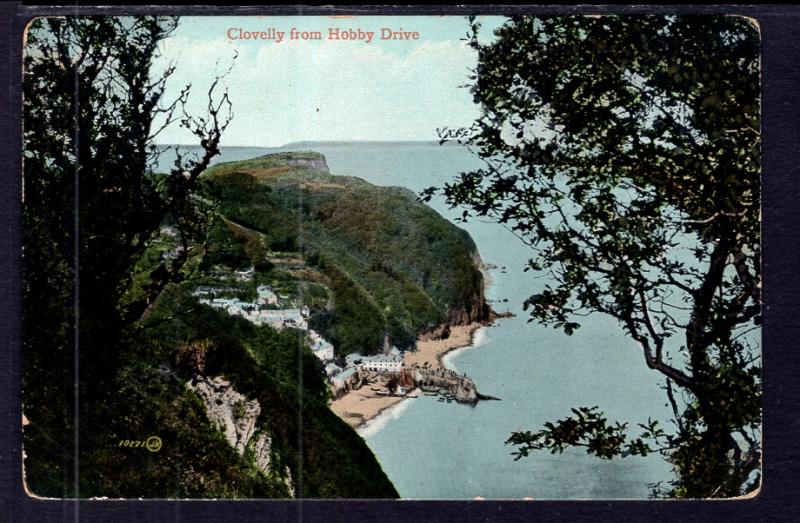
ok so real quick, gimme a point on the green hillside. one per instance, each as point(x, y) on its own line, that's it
point(390, 263)
point(262, 364)
point(366, 260)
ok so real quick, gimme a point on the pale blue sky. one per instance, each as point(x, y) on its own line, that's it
point(327, 90)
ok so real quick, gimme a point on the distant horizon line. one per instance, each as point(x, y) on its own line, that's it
point(310, 142)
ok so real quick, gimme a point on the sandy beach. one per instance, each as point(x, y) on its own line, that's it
point(359, 406)
point(431, 351)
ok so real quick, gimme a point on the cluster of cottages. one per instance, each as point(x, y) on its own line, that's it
point(258, 311)
point(321, 348)
point(223, 273)
point(261, 313)
point(354, 375)
point(390, 361)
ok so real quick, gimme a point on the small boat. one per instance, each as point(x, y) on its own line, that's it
point(440, 400)
point(382, 393)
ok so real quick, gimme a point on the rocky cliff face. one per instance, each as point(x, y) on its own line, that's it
point(235, 416)
point(232, 413)
point(310, 163)
point(475, 310)
point(262, 450)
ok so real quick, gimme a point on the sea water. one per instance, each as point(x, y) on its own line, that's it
point(439, 450)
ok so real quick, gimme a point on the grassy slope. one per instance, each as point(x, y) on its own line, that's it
point(149, 398)
point(394, 264)
point(385, 261)
point(263, 364)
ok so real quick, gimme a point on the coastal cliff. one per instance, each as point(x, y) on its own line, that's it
point(236, 417)
point(239, 431)
point(388, 263)
point(314, 163)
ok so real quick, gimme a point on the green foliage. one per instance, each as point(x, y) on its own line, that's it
point(88, 112)
point(587, 428)
point(281, 162)
point(394, 264)
point(102, 294)
point(357, 322)
point(625, 152)
point(195, 460)
point(253, 206)
point(263, 364)
point(229, 246)
point(224, 249)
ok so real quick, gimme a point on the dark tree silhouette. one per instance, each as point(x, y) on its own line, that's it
point(625, 152)
point(91, 207)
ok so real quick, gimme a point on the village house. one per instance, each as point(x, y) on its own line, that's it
point(382, 363)
point(266, 296)
point(276, 318)
point(245, 275)
point(352, 360)
point(391, 362)
point(258, 313)
point(322, 348)
point(331, 369)
point(339, 381)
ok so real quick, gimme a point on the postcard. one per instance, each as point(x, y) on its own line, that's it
point(415, 257)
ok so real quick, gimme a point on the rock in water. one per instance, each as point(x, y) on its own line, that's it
point(465, 391)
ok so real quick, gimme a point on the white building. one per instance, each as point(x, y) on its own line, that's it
point(276, 318)
point(352, 360)
point(266, 296)
point(332, 369)
point(339, 380)
point(320, 346)
point(382, 363)
point(245, 275)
